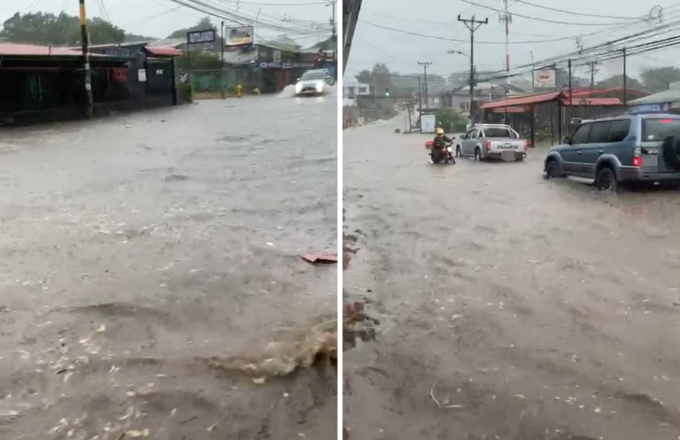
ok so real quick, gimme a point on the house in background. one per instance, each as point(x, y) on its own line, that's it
point(352, 89)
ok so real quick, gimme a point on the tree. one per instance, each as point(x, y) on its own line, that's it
point(657, 79)
point(450, 120)
point(364, 77)
point(58, 30)
point(203, 25)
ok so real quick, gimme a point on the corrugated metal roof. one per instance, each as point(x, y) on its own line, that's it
point(522, 100)
point(29, 50)
point(664, 97)
point(163, 51)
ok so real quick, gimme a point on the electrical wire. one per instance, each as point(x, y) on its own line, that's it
point(240, 19)
point(545, 20)
point(576, 13)
point(435, 37)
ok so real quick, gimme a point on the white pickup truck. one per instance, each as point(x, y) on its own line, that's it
point(492, 141)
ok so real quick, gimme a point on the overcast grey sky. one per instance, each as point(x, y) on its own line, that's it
point(159, 18)
point(401, 52)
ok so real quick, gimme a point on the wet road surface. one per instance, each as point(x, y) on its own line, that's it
point(510, 307)
point(134, 249)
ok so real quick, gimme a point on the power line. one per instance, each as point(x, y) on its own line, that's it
point(545, 20)
point(240, 19)
point(576, 13)
point(435, 37)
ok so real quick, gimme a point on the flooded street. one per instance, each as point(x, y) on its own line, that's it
point(509, 307)
point(138, 251)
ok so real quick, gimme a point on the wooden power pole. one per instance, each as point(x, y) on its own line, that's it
point(89, 102)
point(472, 26)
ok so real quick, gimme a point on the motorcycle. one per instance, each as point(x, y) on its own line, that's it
point(445, 155)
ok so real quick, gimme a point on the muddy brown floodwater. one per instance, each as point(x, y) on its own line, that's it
point(136, 252)
point(510, 307)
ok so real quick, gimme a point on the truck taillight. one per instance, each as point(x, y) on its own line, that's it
point(488, 145)
point(637, 157)
point(526, 145)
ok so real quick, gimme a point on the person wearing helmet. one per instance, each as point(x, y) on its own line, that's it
point(439, 145)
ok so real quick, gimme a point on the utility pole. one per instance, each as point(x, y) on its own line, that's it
point(472, 26)
point(571, 99)
point(425, 66)
point(332, 4)
point(420, 98)
point(222, 65)
point(593, 71)
point(89, 103)
point(625, 82)
point(507, 19)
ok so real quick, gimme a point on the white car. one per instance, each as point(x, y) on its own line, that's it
point(492, 141)
point(313, 82)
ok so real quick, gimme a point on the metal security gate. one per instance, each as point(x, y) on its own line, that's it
point(159, 77)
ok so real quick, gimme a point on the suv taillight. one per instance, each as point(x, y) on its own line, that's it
point(488, 145)
point(637, 157)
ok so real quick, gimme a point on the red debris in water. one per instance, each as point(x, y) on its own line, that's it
point(320, 258)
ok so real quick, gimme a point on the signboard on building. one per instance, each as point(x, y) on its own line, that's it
point(201, 37)
point(240, 36)
point(427, 123)
point(651, 108)
point(544, 79)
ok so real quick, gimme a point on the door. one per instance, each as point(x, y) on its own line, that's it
point(470, 142)
point(598, 142)
point(571, 156)
point(605, 137)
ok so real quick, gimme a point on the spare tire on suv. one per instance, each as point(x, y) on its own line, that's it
point(670, 149)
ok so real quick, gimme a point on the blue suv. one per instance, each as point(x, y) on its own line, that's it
point(619, 150)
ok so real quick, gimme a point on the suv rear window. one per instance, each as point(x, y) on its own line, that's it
point(656, 130)
point(497, 133)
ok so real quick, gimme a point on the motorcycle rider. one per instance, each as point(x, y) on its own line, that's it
point(439, 145)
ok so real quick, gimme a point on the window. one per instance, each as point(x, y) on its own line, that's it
point(599, 134)
point(473, 134)
point(581, 134)
point(619, 130)
point(497, 133)
point(657, 130)
point(362, 89)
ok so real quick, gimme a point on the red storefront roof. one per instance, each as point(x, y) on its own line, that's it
point(604, 102)
point(163, 51)
point(522, 100)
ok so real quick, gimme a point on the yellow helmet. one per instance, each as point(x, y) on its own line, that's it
point(440, 130)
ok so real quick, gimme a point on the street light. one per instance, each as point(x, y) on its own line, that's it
point(459, 53)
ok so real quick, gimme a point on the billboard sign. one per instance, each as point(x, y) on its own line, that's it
point(201, 37)
point(544, 79)
point(240, 36)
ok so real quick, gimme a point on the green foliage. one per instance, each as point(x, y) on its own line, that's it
point(657, 80)
point(58, 30)
point(198, 60)
point(186, 93)
point(450, 120)
point(202, 25)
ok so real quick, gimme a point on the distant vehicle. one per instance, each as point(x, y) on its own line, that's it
point(619, 150)
point(313, 82)
point(492, 141)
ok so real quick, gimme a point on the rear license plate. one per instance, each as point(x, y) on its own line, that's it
point(507, 147)
point(508, 156)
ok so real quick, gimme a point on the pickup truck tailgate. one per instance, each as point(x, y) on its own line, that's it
point(500, 145)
